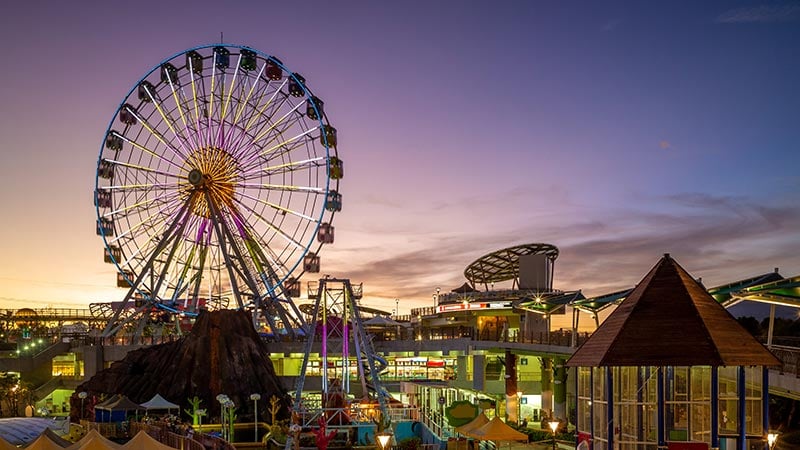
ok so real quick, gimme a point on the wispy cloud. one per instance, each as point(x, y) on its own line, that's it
point(761, 14)
point(719, 238)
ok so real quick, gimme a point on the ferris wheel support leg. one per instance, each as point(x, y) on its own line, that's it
point(170, 233)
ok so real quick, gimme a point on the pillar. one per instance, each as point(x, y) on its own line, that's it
point(560, 389)
point(547, 387)
point(478, 372)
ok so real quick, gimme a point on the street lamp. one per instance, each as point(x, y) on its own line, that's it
point(554, 426)
point(223, 403)
point(383, 439)
point(519, 407)
point(255, 398)
point(82, 395)
point(771, 439)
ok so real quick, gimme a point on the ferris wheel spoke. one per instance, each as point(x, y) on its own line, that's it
point(167, 119)
point(225, 236)
point(266, 131)
point(153, 131)
point(142, 186)
point(157, 218)
point(142, 205)
point(226, 103)
point(280, 208)
point(260, 112)
point(145, 149)
point(180, 103)
point(272, 226)
point(285, 187)
point(270, 260)
point(294, 166)
point(144, 272)
point(138, 167)
point(242, 103)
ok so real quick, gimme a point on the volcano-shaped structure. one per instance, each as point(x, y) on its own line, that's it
point(223, 354)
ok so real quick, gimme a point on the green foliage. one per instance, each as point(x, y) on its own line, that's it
point(412, 443)
point(195, 402)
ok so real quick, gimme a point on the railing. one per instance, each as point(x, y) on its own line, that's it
point(790, 359)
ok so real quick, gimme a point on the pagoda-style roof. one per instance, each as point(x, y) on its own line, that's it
point(670, 320)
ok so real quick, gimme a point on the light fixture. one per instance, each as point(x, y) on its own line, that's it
point(554, 426)
point(771, 439)
point(383, 439)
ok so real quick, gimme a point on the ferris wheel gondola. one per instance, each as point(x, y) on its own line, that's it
point(217, 179)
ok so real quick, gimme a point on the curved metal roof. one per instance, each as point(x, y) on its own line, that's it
point(503, 265)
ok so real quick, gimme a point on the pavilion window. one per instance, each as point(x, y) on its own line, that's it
point(752, 397)
point(599, 406)
point(728, 402)
point(700, 397)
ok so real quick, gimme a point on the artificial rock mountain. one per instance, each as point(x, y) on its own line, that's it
point(223, 354)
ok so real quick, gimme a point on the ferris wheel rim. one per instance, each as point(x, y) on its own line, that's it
point(329, 151)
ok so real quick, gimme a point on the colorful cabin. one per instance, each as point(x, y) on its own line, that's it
point(146, 91)
point(325, 233)
point(328, 136)
point(194, 62)
point(105, 227)
point(124, 278)
point(113, 141)
point(296, 83)
point(222, 57)
point(274, 71)
point(314, 108)
point(102, 199)
point(127, 114)
point(105, 170)
point(112, 254)
point(336, 168)
point(670, 368)
point(293, 287)
point(169, 73)
point(248, 61)
point(333, 201)
point(311, 263)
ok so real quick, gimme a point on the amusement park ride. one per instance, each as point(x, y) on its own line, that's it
point(217, 180)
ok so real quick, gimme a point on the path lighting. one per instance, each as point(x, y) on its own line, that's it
point(554, 426)
point(771, 439)
point(383, 439)
point(223, 403)
point(82, 395)
point(255, 398)
point(200, 413)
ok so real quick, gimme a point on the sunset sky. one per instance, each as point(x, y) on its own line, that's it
point(617, 131)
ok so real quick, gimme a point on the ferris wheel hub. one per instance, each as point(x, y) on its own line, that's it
point(196, 177)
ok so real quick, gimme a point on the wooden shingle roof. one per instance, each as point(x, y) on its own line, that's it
point(670, 320)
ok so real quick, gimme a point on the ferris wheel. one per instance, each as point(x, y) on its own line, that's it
point(217, 180)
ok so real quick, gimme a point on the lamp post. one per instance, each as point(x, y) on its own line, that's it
point(554, 426)
point(383, 439)
point(200, 413)
point(223, 403)
point(255, 398)
point(519, 407)
point(771, 439)
point(82, 395)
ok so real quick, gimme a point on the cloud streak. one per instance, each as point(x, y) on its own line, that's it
point(761, 14)
point(715, 237)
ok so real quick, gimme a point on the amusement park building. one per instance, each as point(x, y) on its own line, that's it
point(474, 343)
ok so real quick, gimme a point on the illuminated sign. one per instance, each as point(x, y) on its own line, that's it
point(470, 306)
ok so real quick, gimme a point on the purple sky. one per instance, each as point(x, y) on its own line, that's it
point(615, 131)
